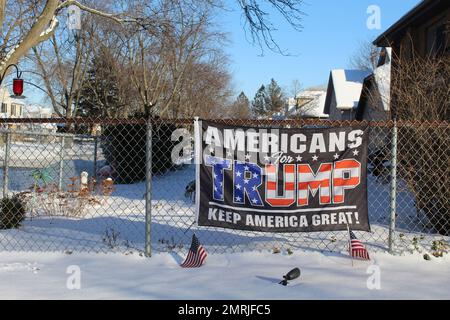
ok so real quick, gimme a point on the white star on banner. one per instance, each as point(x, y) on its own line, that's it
point(238, 186)
point(238, 199)
point(315, 158)
point(255, 201)
point(246, 168)
point(246, 181)
point(355, 153)
point(299, 158)
point(255, 175)
point(336, 156)
point(238, 173)
point(229, 154)
point(247, 157)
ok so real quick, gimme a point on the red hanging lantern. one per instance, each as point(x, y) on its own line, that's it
point(18, 87)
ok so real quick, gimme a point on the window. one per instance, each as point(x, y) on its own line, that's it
point(4, 108)
point(16, 110)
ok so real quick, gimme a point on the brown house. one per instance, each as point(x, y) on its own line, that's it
point(426, 28)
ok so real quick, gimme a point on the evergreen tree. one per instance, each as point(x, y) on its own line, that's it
point(241, 107)
point(259, 104)
point(100, 92)
point(276, 101)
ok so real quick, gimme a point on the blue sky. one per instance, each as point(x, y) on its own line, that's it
point(333, 31)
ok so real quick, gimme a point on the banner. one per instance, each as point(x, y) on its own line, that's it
point(281, 180)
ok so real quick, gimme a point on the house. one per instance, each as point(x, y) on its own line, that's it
point(14, 108)
point(425, 29)
point(10, 107)
point(356, 94)
point(375, 99)
point(343, 93)
point(309, 103)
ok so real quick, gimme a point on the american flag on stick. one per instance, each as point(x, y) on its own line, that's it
point(196, 256)
point(357, 249)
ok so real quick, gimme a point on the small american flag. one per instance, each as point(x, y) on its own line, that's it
point(196, 256)
point(357, 249)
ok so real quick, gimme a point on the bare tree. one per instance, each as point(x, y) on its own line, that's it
point(420, 93)
point(420, 98)
point(258, 20)
point(30, 22)
point(365, 57)
point(162, 40)
point(167, 63)
point(61, 67)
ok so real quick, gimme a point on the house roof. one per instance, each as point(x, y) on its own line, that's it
point(312, 109)
point(380, 81)
point(5, 97)
point(420, 12)
point(346, 86)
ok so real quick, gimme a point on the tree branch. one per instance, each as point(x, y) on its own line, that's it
point(112, 16)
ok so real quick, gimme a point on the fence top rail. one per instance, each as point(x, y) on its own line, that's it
point(46, 134)
point(255, 122)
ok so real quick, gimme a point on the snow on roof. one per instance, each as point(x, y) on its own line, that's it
point(347, 86)
point(383, 80)
point(17, 101)
point(314, 108)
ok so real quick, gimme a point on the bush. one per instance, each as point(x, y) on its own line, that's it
point(12, 213)
point(124, 148)
point(423, 162)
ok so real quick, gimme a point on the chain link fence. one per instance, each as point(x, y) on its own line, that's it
point(113, 185)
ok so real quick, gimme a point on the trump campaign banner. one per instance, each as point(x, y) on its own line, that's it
point(281, 179)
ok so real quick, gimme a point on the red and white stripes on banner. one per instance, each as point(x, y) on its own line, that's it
point(288, 197)
point(308, 181)
point(337, 177)
point(347, 175)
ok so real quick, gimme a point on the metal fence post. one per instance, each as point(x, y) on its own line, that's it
point(95, 157)
point(393, 187)
point(6, 165)
point(148, 191)
point(61, 163)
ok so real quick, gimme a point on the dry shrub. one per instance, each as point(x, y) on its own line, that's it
point(421, 101)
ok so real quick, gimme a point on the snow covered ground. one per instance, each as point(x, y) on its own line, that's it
point(227, 276)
